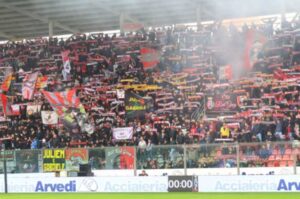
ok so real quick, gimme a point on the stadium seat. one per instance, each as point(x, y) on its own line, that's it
point(275, 152)
point(290, 163)
point(270, 163)
point(288, 151)
point(276, 164)
point(278, 157)
point(283, 163)
point(286, 157)
point(272, 158)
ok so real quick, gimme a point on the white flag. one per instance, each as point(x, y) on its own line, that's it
point(125, 133)
point(49, 117)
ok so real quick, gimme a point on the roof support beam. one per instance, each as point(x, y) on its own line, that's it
point(7, 36)
point(51, 24)
point(38, 17)
point(200, 5)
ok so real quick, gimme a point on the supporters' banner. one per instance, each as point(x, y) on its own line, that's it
point(225, 72)
point(66, 64)
point(132, 27)
point(150, 58)
point(33, 109)
point(41, 82)
point(135, 105)
point(15, 109)
point(119, 158)
point(125, 133)
point(6, 83)
point(49, 117)
point(29, 161)
point(101, 119)
point(75, 157)
point(254, 43)
point(221, 103)
point(140, 87)
point(54, 160)
point(29, 85)
point(7, 101)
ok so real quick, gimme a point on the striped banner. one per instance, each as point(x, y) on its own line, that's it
point(69, 109)
point(29, 85)
point(60, 101)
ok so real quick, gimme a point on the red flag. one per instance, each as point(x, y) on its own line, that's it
point(29, 84)
point(150, 58)
point(132, 27)
point(69, 109)
point(225, 72)
point(60, 101)
point(6, 83)
point(126, 157)
point(6, 103)
point(254, 42)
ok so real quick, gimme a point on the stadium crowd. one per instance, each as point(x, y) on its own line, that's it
point(250, 92)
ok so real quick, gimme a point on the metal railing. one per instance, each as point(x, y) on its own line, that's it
point(222, 155)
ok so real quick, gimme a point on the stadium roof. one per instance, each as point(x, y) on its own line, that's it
point(30, 18)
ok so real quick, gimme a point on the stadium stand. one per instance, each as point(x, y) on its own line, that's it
point(165, 86)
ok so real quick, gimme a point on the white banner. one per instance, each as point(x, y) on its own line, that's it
point(49, 117)
point(32, 183)
point(244, 183)
point(28, 85)
point(125, 133)
point(88, 184)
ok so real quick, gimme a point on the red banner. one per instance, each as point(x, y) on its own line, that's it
point(150, 58)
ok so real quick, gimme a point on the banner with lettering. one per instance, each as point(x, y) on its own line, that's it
point(28, 161)
point(54, 160)
point(124, 133)
point(119, 157)
point(221, 103)
point(75, 157)
point(136, 106)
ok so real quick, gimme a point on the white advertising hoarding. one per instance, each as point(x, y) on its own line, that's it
point(86, 184)
point(262, 183)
